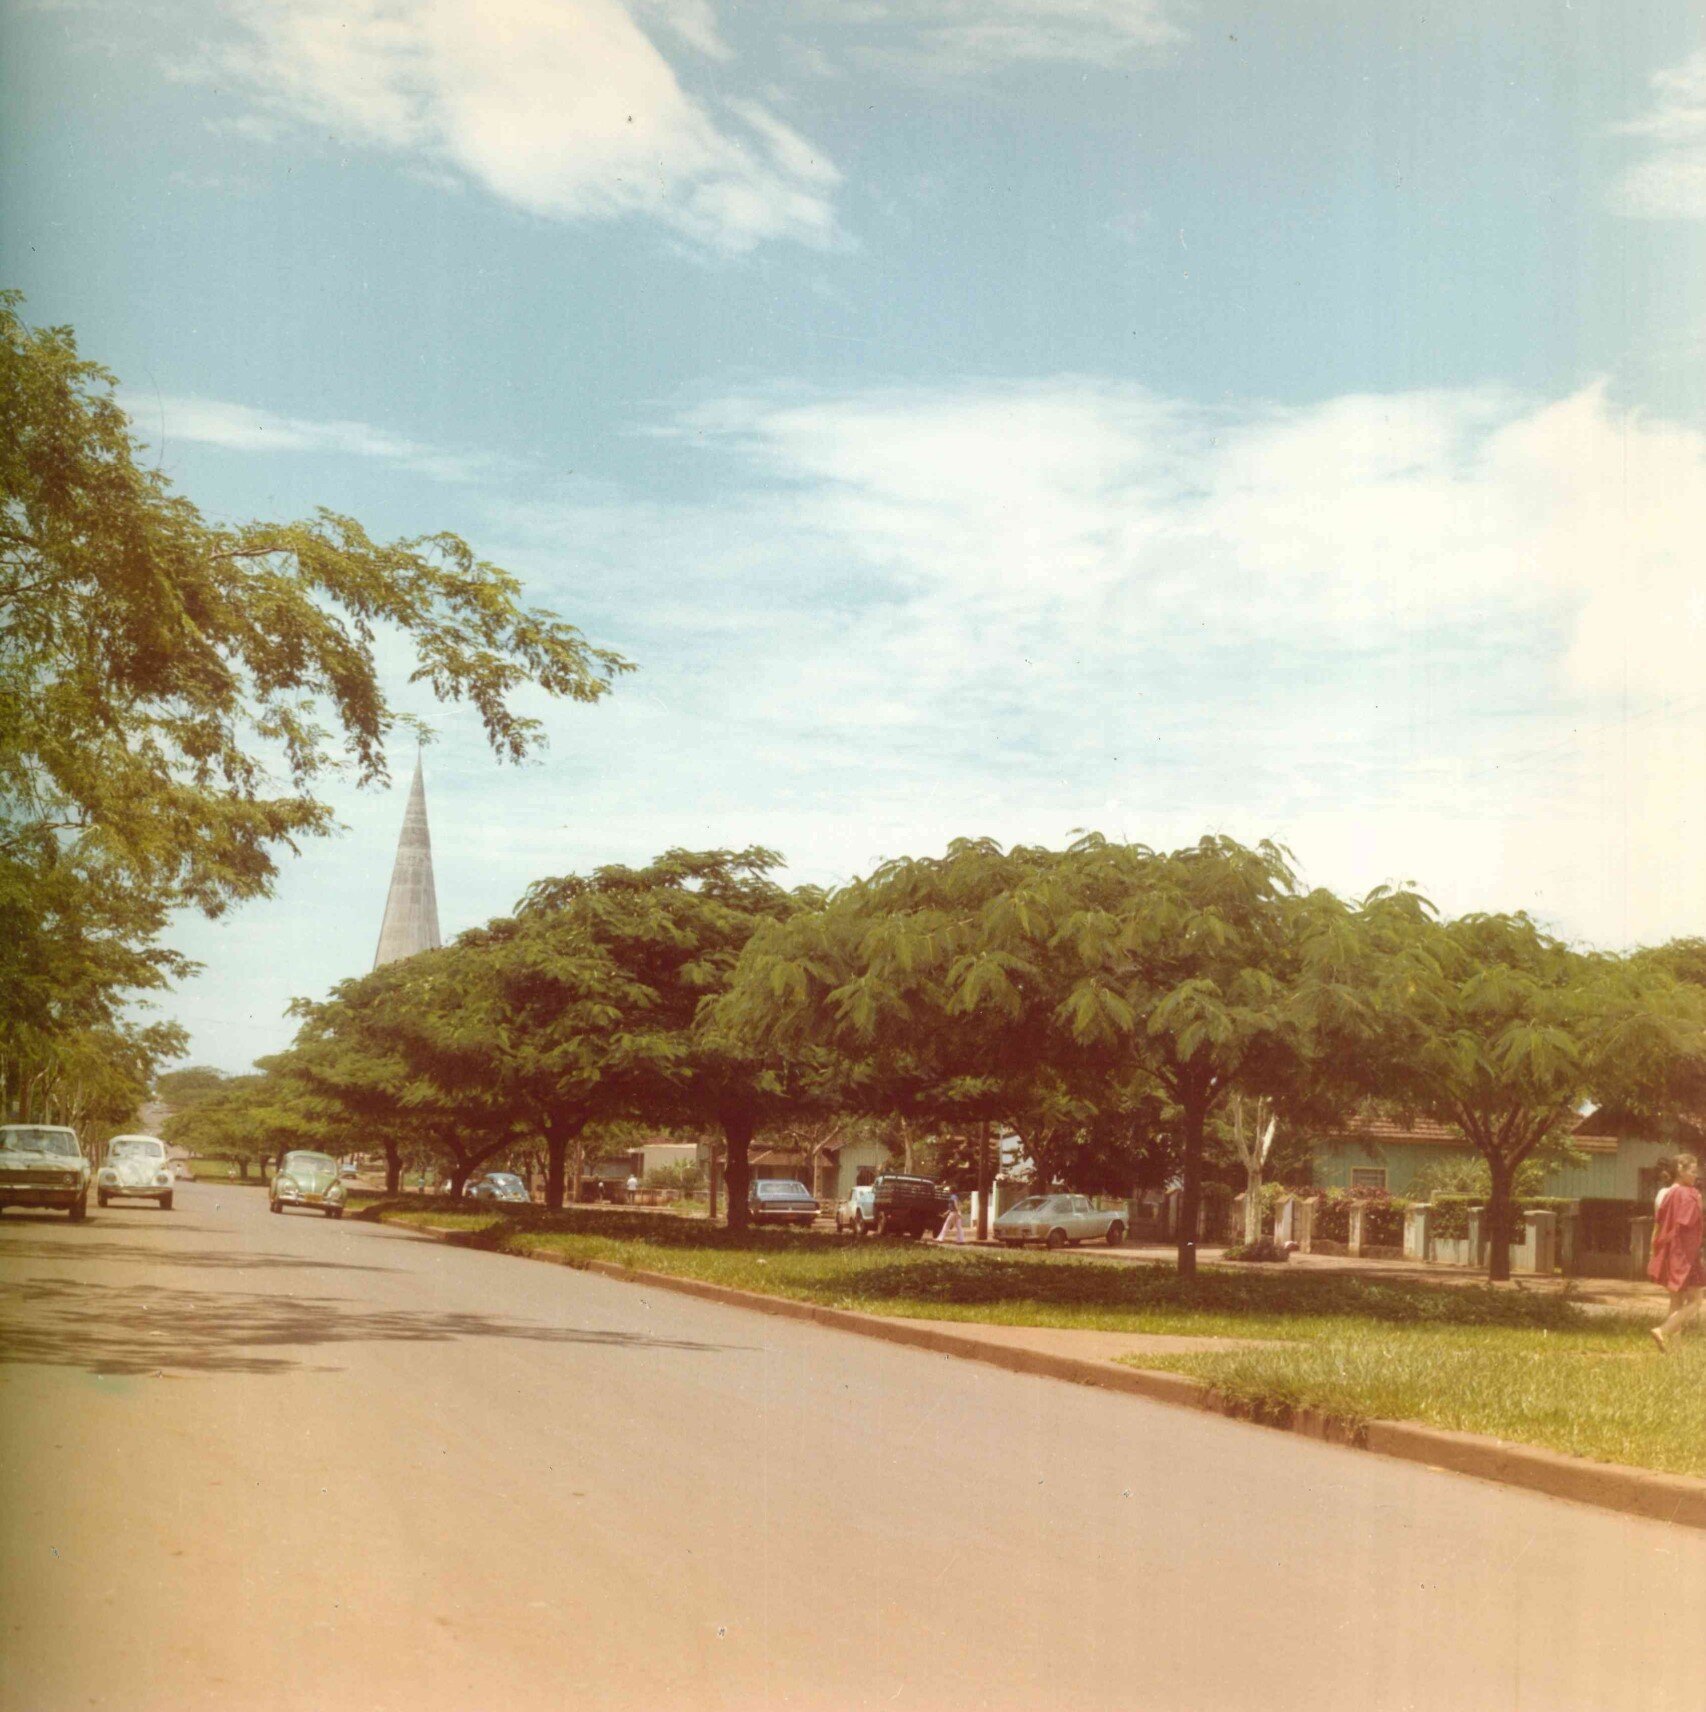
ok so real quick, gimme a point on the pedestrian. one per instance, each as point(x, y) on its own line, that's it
point(1676, 1248)
point(633, 1187)
point(951, 1221)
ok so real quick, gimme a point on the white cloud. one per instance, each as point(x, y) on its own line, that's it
point(244, 428)
point(1449, 635)
point(1669, 182)
point(565, 108)
point(974, 37)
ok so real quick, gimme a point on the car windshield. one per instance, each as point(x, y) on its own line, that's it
point(504, 1179)
point(36, 1138)
point(308, 1162)
point(771, 1189)
point(127, 1147)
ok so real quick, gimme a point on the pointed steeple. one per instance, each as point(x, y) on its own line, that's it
point(411, 906)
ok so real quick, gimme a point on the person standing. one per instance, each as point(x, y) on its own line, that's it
point(951, 1221)
point(1676, 1249)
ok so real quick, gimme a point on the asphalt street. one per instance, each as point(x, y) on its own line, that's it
point(255, 1462)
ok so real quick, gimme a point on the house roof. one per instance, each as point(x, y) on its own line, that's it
point(1380, 1127)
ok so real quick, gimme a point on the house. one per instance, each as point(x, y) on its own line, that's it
point(1383, 1152)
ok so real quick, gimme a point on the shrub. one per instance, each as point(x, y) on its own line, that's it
point(1263, 1250)
point(1451, 1216)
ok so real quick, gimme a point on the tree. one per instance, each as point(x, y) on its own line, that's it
point(249, 1120)
point(1490, 1024)
point(676, 930)
point(173, 691)
point(1056, 991)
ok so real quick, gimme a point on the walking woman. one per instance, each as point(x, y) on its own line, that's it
point(1676, 1249)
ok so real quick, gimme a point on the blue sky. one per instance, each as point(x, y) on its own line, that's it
point(973, 416)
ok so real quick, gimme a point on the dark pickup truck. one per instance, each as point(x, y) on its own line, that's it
point(907, 1206)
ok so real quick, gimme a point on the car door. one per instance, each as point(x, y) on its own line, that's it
point(1083, 1224)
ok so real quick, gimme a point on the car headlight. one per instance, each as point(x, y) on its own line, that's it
point(161, 1179)
point(109, 1175)
point(335, 1193)
point(285, 1185)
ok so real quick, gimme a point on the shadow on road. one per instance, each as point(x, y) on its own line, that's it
point(102, 1248)
point(65, 1323)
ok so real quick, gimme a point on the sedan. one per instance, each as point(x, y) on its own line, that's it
point(773, 1201)
point(1058, 1220)
point(498, 1186)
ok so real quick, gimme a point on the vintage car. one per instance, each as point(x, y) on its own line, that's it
point(777, 1201)
point(42, 1165)
point(498, 1186)
point(308, 1180)
point(1058, 1220)
point(136, 1167)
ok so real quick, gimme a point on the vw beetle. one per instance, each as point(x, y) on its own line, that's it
point(137, 1168)
point(308, 1180)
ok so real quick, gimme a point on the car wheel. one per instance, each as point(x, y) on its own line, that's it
point(334, 1212)
point(100, 1199)
point(79, 1209)
point(166, 1203)
point(274, 1207)
point(1057, 1238)
point(1116, 1234)
point(858, 1226)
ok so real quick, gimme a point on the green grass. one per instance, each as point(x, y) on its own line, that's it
point(1605, 1394)
point(921, 1281)
point(1521, 1365)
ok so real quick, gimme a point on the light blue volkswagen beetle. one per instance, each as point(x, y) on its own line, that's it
point(308, 1180)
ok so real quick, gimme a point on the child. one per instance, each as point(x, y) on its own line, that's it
point(1676, 1248)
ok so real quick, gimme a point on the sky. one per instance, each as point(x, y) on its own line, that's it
point(973, 417)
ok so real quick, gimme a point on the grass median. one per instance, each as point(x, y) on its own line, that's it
point(1527, 1366)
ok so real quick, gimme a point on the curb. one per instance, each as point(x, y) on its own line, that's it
point(1675, 1498)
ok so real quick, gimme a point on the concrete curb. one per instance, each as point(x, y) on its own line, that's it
point(1674, 1498)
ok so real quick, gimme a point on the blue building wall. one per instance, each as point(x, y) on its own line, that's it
point(1611, 1176)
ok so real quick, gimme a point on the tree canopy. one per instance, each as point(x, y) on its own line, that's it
point(174, 691)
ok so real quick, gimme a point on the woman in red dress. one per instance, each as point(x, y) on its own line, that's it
point(1676, 1249)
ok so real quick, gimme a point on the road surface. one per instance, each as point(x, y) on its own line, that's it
point(253, 1463)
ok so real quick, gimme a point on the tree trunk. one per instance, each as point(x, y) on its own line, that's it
point(460, 1172)
point(984, 1178)
point(1499, 1220)
point(737, 1136)
point(713, 1181)
point(558, 1135)
point(1190, 1195)
point(1252, 1202)
point(393, 1170)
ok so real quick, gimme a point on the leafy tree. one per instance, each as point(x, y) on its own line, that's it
point(249, 1120)
point(1065, 993)
point(675, 930)
point(1491, 1025)
point(173, 691)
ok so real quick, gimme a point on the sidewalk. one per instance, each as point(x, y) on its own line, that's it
point(1634, 1297)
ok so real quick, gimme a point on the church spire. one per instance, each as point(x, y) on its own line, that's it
point(411, 906)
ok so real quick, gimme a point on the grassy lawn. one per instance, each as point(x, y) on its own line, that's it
point(1518, 1365)
point(1606, 1394)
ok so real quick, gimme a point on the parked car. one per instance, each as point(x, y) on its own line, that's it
point(42, 1165)
point(903, 1205)
point(348, 1170)
point(498, 1186)
point(775, 1201)
point(856, 1213)
point(136, 1168)
point(1058, 1220)
point(308, 1180)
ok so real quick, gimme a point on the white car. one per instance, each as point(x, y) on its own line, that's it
point(1057, 1220)
point(136, 1168)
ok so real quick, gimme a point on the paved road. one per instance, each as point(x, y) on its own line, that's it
point(254, 1463)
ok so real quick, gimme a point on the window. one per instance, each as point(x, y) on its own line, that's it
point(1368, 1176)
